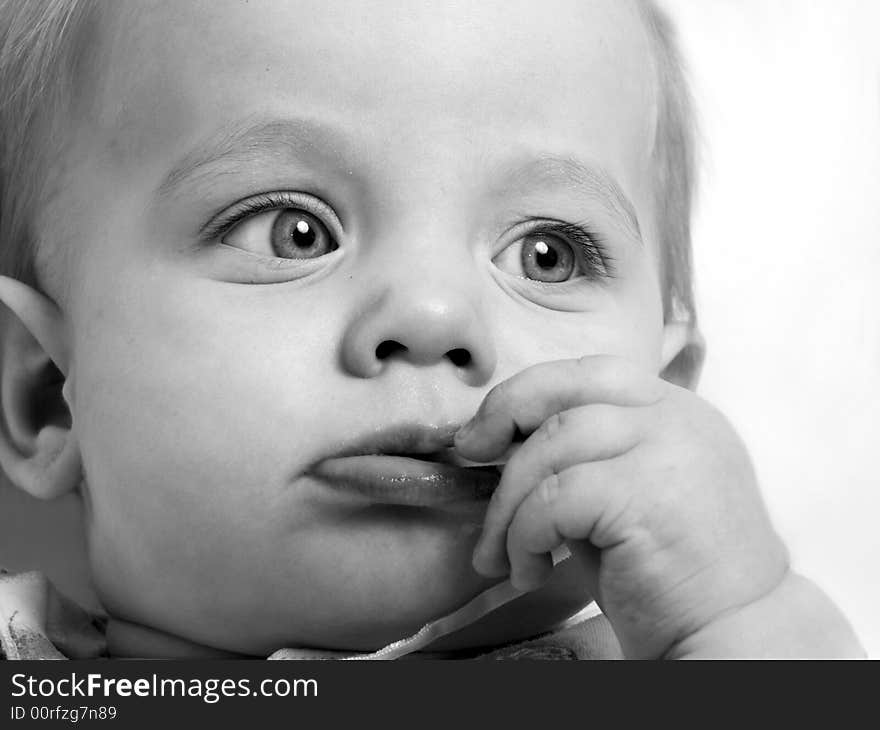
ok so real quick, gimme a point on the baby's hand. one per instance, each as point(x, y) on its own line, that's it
point(649, 486)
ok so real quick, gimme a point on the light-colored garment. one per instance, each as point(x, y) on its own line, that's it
point(37, 622)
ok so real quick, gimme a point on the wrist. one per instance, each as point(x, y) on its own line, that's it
point(795, 620)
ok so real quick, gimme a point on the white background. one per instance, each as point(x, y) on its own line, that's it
point(787, 248)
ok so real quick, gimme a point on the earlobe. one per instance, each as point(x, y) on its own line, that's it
point(682, 354)
point(51, 470)
point(38, 450)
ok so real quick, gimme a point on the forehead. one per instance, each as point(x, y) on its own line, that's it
point(571, 76)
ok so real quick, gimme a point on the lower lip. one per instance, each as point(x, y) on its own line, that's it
point(409, 482)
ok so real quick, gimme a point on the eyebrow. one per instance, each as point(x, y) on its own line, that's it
point(223, 152)
point(592, 182)
point(290, 138)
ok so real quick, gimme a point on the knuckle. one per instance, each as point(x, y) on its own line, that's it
point(552, 426)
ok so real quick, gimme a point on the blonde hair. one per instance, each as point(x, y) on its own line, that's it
point(675, 165)
point(38, 58)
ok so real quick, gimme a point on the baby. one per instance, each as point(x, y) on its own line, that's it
point(264, 261)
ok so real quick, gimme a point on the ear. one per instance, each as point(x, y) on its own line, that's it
point(683, 352)
point(38, 451)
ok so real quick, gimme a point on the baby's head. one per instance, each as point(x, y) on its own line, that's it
point(256, 238)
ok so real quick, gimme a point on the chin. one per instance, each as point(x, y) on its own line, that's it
point(378, 619)
point(382, 618)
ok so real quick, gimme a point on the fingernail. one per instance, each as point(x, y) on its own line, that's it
point(464, 431)
point(484, 565)
point(480, 559)
point(477, 560)
point(520, 582)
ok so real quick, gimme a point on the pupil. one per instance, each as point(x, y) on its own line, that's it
point(303, 235)
point(545, 257)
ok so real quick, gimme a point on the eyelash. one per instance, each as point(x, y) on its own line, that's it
point(596, 263)
point(218, 228)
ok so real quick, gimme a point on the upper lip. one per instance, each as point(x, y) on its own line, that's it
point(429, 442)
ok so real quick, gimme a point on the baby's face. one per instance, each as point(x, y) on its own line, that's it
point(305, 230)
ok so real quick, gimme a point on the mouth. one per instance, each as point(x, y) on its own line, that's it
point(409, 466)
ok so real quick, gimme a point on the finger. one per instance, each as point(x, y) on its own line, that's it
point(589, 433)
point(525, 401)
point(565, 508)
point(527, 538)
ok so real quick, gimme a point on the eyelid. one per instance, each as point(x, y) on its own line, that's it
point(253, 205)
point(581, 235)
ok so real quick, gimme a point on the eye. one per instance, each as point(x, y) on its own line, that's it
point(554, 252)
point(289, 233)
point(300, 235)
point(539, 256)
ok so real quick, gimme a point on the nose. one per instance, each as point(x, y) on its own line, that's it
point(423, 321)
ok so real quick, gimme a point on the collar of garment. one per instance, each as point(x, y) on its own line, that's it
point(38, 622)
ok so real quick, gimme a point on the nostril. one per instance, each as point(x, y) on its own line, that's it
point(460, 357)
point(387, 348)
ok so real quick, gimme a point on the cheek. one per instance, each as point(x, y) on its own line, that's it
point(190, 422)
point(625, 319)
